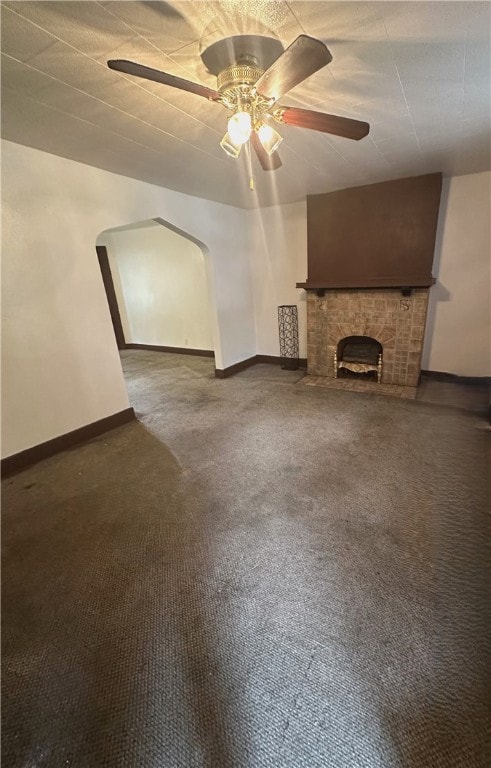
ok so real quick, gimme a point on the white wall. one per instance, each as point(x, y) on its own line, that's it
point(160, 282)
point(279, 261)
point(458, 326)
point(61, 368)
point(457, 336)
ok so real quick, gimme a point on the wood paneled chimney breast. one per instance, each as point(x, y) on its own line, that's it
point(376, 236)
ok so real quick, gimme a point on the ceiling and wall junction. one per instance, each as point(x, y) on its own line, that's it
point(418, 72)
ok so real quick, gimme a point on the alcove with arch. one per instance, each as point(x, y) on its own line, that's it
point(159, 286)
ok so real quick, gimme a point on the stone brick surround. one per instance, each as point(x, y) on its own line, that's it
point(397, 322)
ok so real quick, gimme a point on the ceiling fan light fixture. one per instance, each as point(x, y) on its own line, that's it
point(231, 148)
point(240, 127)
point(253, 72)
point(269, 138)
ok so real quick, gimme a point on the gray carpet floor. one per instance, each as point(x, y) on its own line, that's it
point(257, 574)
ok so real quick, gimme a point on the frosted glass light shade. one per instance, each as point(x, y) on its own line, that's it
point(269, 138)
point(228, 146)
point(240, 127)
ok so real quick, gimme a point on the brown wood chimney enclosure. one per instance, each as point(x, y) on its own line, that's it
point(376, 236)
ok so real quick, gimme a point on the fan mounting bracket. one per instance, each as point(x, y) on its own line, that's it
point(256, 51)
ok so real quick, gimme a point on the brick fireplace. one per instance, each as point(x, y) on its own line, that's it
point(395, 321)
point(369, 256)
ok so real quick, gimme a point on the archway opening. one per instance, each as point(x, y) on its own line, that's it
point(158, 287)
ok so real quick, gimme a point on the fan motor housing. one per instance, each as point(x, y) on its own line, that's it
point(236, 75)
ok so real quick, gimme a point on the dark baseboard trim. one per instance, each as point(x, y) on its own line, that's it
point(175, 350)
point(19, 461)
point(453, 378)
point(224, 373)
point(273, 359)
point(276, 360)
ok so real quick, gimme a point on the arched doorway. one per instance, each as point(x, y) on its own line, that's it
point(159, 288)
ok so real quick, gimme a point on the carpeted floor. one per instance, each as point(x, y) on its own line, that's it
point(258, 574)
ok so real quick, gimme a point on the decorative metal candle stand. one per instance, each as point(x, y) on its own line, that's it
point(288, 328)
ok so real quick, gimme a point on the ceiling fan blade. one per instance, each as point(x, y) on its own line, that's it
point(300, 60)
point(268, 162)
point(320, 121)
point(138, 70)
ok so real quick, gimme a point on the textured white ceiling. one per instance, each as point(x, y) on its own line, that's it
point(418, 72)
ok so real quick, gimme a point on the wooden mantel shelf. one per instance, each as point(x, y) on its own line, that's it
point(369, 283)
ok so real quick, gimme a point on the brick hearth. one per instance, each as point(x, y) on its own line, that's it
point(397, 322)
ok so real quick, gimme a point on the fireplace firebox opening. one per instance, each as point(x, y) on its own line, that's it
point(358, 355)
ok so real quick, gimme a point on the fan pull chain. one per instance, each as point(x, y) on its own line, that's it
point(249, 163)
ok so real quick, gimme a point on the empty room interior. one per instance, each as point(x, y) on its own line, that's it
point(246, 370)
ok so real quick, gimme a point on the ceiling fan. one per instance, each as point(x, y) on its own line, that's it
point(253, 72)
